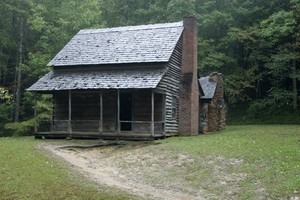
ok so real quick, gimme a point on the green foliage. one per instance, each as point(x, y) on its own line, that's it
point(277, 26)
point(177, 9)
point(262, 111)
point(43, 106)
point(20, 128)
point(47, 27)
point(237, 83)
point(5, 109)
point(276, 98)
point(5, 97)
point(255, 45)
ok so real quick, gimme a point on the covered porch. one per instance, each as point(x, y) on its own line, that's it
point(105, 113)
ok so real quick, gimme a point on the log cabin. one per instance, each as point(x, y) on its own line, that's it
point(125, 82)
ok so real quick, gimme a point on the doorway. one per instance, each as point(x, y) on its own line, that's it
point(126, 111)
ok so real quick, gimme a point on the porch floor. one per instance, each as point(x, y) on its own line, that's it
point(97, 135)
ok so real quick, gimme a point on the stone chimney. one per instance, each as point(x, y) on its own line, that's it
point(216, 115)
point(189, 87)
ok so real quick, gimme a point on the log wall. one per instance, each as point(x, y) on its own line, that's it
point(60, 110)
point(60, 105)
point(86, 111)
point(109, 110)
point(85, 106)
point(142, 105)
point(170, 84)
point(142, 111)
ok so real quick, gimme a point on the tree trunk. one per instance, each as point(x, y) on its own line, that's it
point(19, 75)
point(295, 92)
point(1, 70)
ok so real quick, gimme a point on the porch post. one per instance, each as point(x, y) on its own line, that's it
point(101, 114)
point(35, 115)
point(164, 113)
point(70, 114)
point(152, 113)
point(118, 112)
point(52, 117)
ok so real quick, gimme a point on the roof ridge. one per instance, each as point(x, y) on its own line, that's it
point(131, 28)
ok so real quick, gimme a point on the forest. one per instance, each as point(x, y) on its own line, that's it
point(254, 43)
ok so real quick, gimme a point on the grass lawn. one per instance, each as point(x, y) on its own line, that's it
point(25, 173)
point(266, 158)
point(242, 162)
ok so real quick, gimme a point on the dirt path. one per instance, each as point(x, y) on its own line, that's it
point(123, 169)
point(148, 171)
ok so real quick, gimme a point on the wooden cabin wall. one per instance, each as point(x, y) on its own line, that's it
point(61, 105)
point(142, 105)
point(142, 110)
point(158, 107)
point(109, 110)
point(85, 106)
point(158, 113)
point(170, 84)
point(60, 110)
point(85, 111)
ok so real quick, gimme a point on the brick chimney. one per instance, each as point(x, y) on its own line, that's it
point(189, 87)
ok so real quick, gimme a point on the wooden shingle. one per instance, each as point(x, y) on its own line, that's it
point(100, 79)
point(131, 44)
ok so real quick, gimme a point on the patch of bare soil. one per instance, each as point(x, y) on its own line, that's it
point(152, 171)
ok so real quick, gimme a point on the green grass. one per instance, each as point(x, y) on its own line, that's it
point(26, 173)
point(242, 162)
point(270, 157)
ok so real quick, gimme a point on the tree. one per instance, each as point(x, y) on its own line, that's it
point(280, 35)
point(5, 108)
point(31, 33)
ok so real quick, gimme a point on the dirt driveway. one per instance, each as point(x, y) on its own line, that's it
point(147, 169)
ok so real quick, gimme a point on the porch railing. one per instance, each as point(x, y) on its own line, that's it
point(94, 126)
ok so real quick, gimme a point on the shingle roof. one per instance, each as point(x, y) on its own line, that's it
point(208, 86)
point(99, 79)
point(132, 44)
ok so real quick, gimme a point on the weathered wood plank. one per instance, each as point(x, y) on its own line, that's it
point(170, 83)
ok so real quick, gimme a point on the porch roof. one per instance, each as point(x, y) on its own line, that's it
point(208, 87)
point(100, 79)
